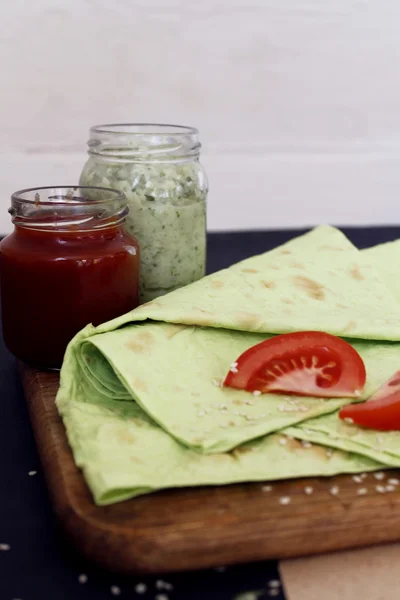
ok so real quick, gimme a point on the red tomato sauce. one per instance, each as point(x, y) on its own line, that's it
point(53, 283)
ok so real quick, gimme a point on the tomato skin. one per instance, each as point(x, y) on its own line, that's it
point(307, 363)
point(381, 411)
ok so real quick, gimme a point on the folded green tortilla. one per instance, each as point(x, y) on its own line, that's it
point(141, 399)
point(333, 432)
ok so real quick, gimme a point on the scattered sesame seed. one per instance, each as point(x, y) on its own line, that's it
point(266, 488)
point(379, 475)
point(31, 473)
point(140, 588)
point(362, 491)
point(348, 420)
point(308, 490)
point(223, 407)
point(164, 585)
point(115, 590)
point(216, 382)
point(274, 583)
point(306, 444)
point(393, 481)
point(390, 488)
point(273, 592)
point(234, 365)
point(304, 408)
point(256, 393)
point(5, 547)
point(250, 402)
point(82, 578)
point(161, 597)
point(281, 408)
point(233, 370)
point(364, 475)
point(357, 478)
point(334, 490)
point(284, 500)
point(207, 411)
point(201, 413)
point(380, 489)
point(283, 441)
point(380, 439)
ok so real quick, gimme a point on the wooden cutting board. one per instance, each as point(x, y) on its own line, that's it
point(195, 528)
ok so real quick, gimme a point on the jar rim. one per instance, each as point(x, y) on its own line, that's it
point(60, 195)
point(141, 129)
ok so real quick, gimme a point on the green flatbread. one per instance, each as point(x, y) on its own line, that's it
point(123, 454)
point(153, 375)
point(330, 430)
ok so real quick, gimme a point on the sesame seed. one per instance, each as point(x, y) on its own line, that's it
point(250, 402)
point(216, 382)
point(256, 393)
point(379, 475)
point(161, 597)
point(393, 481)
point(207, 411)
point(334, 490)
point(233, 370)
point(234, 365)
point(308, 490)
point(306, 444)
point(390, 488)
point(364, 475)
point(5, 547)
point(357, 478)
point(115, 590)
point(140, 588)
point(82, 578)
point(32, 473)
point(201, 413)
point(380, 489)
point(223, 407)
point(164, 585)
point(274, 583)
point(266, 488)
point(283, 441)
point(273, 592)
point(380, 439)
point(303, 408)
point(348, 420)
point(362, 491)
point(284, 500)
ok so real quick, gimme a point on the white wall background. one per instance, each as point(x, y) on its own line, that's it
point(297, 101)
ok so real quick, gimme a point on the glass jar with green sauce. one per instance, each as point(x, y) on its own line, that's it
point(158, 169)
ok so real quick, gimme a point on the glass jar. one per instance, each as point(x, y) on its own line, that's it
point(68, 263)
point(158, 169)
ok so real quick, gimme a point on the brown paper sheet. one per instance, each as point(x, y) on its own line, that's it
point(367, 574)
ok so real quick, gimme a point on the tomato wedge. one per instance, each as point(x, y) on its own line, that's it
point(381, 411)
point(307, 363)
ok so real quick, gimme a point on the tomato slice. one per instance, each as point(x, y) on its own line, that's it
point(381, 411)
point(307, 363)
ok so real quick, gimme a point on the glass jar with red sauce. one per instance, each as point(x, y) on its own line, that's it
point(68, 263)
